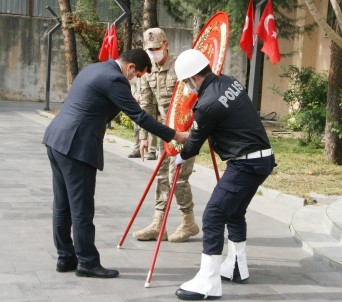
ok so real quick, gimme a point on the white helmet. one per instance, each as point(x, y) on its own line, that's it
point(189, 63)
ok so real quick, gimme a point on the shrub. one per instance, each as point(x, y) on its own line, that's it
point(307, 97)
point(124, 120)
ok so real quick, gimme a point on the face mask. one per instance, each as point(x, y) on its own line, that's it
point(133, 80)
point(190, 90)
point(132, 75)
point(156, 55)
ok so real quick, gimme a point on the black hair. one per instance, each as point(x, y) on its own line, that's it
point(139, 57)
point(205, 71)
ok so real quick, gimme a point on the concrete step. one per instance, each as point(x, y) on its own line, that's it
point(332, 220)
point(317, 228)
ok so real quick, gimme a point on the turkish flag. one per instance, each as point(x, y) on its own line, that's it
point(109, 48)
point(104, 54)
point(113, 44)
point(246, 41)
point(267, 32)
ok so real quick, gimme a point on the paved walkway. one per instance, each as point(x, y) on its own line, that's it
point(280, 270)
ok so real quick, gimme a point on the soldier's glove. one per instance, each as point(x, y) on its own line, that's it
point(179, 160)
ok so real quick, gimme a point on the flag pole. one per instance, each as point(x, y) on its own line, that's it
point(257, 61)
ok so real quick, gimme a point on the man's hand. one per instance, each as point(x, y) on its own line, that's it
point(179, 160)
point(181, 137)
point(143, 147)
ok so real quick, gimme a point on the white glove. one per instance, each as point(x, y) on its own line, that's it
point(179, 160)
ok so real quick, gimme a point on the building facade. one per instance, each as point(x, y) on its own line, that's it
point(23, 53)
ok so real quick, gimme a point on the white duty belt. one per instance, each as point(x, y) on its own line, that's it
point(256, 154)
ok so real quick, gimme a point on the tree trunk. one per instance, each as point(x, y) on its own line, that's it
point(70, 50)
point(333, 144)
point(196, 27)
point(127, 31)
point(150, 14)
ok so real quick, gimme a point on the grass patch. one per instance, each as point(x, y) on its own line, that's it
point(120, 131)
point(302, 169)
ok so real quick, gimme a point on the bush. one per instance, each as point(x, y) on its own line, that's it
point(307, 97)
point(124, 120)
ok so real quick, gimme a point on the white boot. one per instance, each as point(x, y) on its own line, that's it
point(234, 267)
point(206, 284)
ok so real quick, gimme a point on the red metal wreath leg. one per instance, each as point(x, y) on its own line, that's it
point(214, 161)
point(142, 200)
point(167, 209)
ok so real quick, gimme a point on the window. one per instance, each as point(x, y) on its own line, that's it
point(331, 17)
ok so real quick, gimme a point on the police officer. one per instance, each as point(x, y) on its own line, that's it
point(159, 84)
point(225, 114)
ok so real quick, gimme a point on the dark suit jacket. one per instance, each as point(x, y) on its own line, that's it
point(98, 94)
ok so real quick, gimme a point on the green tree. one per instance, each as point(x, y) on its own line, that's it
point(333, 140)
point(236, 10)
point(86, 23)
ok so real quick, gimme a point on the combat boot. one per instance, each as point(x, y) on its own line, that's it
point(151, 232)
point(134, 154)
point(186, 229)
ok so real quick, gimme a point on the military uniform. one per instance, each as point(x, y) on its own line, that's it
point(159, 86)
point(152, 139)
point(160, 82)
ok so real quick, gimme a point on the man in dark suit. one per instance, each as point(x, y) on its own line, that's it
point(74, 141)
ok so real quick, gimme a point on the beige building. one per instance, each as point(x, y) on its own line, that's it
point(313, 51)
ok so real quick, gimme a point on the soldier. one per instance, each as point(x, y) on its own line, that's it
point(160, 84)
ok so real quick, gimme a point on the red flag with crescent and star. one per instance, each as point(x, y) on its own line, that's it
point(246, 41)
point(267, 32)
point(109, 48)
point(104, 54)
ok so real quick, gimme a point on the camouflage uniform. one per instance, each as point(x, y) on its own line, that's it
point(159, 84)
point(152, 139)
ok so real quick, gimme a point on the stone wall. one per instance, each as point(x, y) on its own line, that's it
point(23, 59)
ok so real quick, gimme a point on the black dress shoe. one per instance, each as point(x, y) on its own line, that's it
point(236, 276)
point(235, 280)
point(64, 266)
point(188, 295)
point(96, 272)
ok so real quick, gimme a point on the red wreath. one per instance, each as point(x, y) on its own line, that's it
point(213, 42)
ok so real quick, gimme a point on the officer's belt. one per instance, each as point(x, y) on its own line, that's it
point(256, 154)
